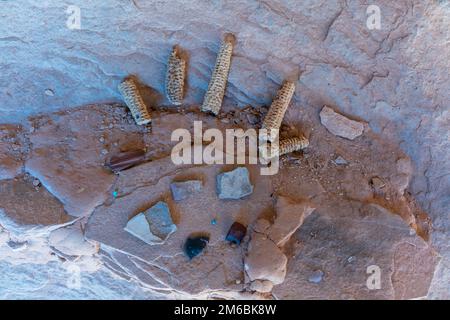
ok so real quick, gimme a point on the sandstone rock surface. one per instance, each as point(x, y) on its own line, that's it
point(395, 78)
point(289, 217)
point(265, 261)
point(12, 151)
point(71, 242)
point(354, 236)
point(184, 189)
point(24, 208)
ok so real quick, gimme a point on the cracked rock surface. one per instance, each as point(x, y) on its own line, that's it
point(394, 181)
point(364, 198)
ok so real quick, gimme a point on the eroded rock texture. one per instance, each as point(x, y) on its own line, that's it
point(12, 150)
point(371, 183)
point(396, 173)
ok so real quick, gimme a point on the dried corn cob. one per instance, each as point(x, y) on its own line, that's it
point(130, 92)
point(275, 116)
point(216, 88)
point(292, 144)
point(176, 69)
point(285, 146)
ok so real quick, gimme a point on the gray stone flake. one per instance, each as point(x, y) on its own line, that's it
point(234, 184)
point(182, 190)
point(152, 226)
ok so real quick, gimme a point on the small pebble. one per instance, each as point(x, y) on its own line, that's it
point(36, 183)
point(80, 190)
point(49, 92)
point(316, 277)
point(340, 161)
point(377, 183)
point(102, 139)
point(104, 152)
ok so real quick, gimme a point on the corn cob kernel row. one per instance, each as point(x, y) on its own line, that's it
point(216, 88)
point(292, 144)
point(278, 108)
point(176, 71)
point(133, 99)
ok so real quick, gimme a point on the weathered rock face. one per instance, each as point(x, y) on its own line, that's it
point(374, 175)
point(336, 241)
point(183, 189)
point(25, 207)
point(394, 78)
point(265, 261)
point(290, 216)
point(70, 148)
point(12, 151)
point(204, 273)
point(70, 241)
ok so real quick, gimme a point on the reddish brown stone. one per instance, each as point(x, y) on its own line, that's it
point(126, 160)
point(236, 233)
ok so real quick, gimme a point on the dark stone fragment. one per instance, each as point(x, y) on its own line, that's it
point(126, 160)
point(236, 233)
point(195, 245)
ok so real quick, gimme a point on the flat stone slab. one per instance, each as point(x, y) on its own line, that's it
point(234, 184)
point(182, 190)
point(340, 125)
point(154, 225)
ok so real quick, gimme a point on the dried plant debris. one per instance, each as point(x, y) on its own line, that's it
point(194, 245)
point(175, 77)
point(236, 233)
point(275, 116)
point(130, 93)
point(125, 160)
point(216, 88)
